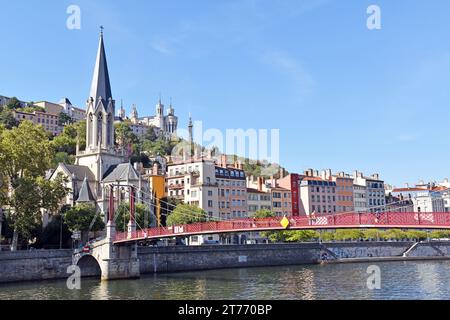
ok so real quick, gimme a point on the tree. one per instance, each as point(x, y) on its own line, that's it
point(187, 214)
point(83, 218)
point(14, 104)
point(264, 213)
point(26, 151)
point(125, 135)
point(348, 234)
point(63, 157)
point(25, 204)
point(67, 140)
point(301, 235)
point(25, 155)
point(52, 192)
point(167, 206)
point(64, 119)
point(7, 119)
point(151, 134)
point(373, 234)
point(144, 218)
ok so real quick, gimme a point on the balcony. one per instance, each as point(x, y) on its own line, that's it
point(204, 184)
point(176, 186)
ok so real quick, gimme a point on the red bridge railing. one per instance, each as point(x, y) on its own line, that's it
point(423, 220)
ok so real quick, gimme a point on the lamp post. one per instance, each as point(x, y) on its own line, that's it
point(60, 230)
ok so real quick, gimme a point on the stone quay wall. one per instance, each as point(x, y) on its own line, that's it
point(52, 264)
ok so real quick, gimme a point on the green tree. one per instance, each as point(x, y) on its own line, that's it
point(7, 119)
point(264, 213)
point(348, 234)
point(25, 212)
point(64, 119)
point(52, 192)
point(440, 234)
point(167, 206)
point(273, 236)
point(124, 135)
point(14, 104)
point(144, 218)
point(187, 214)
point(83, 218)
point(301, 235)
point(373, 234)
point(63, 157)
point(327, 236)
point(25, 155)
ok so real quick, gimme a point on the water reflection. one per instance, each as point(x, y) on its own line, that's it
point(399, 280)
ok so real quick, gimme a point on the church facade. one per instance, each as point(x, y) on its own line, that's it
point(101, 164)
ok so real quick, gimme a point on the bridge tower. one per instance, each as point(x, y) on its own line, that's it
point(115, 261)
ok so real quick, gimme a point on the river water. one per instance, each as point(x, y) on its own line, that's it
point(399, 280)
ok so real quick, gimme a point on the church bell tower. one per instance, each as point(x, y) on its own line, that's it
point(100, 151)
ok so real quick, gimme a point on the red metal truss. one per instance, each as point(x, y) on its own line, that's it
point(382, 220)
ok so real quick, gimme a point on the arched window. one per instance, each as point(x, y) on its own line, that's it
point(109, 135)
point(90, 130)
point(100, 128)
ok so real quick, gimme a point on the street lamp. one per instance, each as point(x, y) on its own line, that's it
point(60, 230)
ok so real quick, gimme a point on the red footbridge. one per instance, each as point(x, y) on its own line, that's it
point(381, 220)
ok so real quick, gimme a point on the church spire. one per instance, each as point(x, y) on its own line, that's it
point(101, 86)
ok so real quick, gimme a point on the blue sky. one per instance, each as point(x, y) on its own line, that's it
point(343, 97)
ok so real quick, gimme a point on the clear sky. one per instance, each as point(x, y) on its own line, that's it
point(344, 97)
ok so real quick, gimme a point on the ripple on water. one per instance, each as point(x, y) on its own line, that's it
point(399, 280)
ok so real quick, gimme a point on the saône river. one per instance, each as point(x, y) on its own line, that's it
point(399, 280)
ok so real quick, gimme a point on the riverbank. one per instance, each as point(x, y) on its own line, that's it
point(52, 264)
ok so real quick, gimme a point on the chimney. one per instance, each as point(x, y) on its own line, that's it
point(328, 173)
point(323, 174)
point(376, 176)
point(282, 173)
point(260, 183)
point(407, 185)
point(223, 161)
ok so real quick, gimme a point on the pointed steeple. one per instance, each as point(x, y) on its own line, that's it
point(85, 193)
point(101, 86)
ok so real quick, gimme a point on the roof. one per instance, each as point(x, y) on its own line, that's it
point(101, 86)
point(65, 100)
point(85, 194)
point(279, 189)
point(251, 190)
point(80, 172)
point(120, 172)
point(409, 189)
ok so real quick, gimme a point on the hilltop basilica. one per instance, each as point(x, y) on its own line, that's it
point(100, 164)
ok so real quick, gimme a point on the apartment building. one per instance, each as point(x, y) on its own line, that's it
point(194, 182)
point(281, 201)
point(47, 120)
point(232, 192)
point(375, 192)
point(359, 198)
point(258, 200)
point(63, 106)
point(318, 196)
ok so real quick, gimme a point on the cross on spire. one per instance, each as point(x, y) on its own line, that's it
point(101, 30)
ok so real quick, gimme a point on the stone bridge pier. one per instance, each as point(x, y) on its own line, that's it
point(111, 261)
